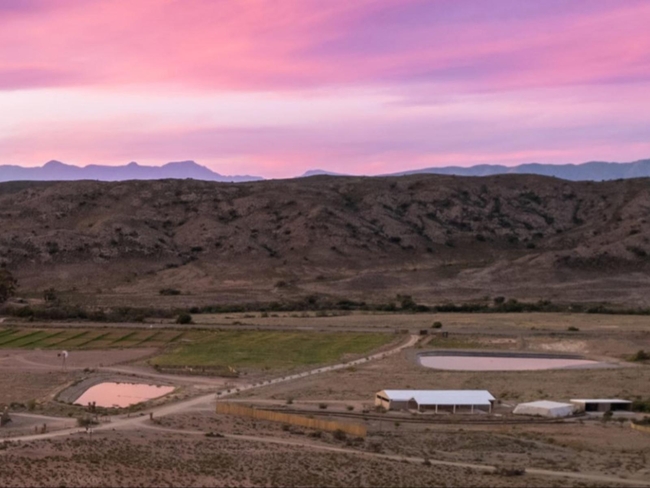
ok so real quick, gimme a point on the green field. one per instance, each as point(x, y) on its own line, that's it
point(273, 350)
point(213, 349)
point(16, 338)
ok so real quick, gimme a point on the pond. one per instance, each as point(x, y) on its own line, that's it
point(504, 362)
point(121, 394)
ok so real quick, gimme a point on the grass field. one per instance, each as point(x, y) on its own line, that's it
point(273, 350)
point(17, 338)
point(269, 350)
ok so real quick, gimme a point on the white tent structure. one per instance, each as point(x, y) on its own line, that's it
point(544, 408)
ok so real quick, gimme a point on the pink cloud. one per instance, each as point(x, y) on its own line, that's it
point(291, 44)
point(465, 82)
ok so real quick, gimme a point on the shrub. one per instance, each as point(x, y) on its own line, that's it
point(572, 329)
point(509, 471)
point(641, 355)
point(339, 435)
point(7, 284)
point(349, 408)
point(50, 295)
point(86, 421)
point(169, 291)
point(322, 406)
point(213, 434)
point(184, 318)
point(437, 325)
point(641, 406)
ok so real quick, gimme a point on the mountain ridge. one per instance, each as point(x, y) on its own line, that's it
point(57, 171)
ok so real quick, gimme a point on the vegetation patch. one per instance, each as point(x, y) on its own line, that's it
point(268, 350)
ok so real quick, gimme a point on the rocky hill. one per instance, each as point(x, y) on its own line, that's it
point(437, 238)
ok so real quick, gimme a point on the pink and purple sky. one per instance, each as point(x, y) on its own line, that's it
point(366, 86)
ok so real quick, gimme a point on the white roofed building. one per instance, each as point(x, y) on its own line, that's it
point(435, 400)
point(544, 408)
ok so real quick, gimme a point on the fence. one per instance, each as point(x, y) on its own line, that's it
point(357, 430)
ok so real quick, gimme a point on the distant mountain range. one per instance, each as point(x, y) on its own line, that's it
point(57, 171)
point(594, 170)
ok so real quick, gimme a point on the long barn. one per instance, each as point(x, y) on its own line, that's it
point(454, 401)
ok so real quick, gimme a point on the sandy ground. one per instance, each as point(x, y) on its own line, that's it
point(170, 459)
point(21, 359)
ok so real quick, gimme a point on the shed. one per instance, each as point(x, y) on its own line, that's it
point(544, 408)
point(602, 404)
point(436, 400)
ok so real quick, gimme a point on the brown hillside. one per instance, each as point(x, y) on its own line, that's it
point(436, 238)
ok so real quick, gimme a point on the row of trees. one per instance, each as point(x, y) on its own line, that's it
point(7, 284)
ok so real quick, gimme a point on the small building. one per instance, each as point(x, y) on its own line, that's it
point(602, 405)
point(544, 408)
point(435, 400)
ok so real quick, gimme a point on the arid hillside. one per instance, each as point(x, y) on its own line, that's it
point(437, 238)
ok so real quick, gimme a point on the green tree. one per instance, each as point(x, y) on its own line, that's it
point(184, 318)
point(7, 284)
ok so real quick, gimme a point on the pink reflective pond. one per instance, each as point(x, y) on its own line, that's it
point(121, 394)
point(496, 363)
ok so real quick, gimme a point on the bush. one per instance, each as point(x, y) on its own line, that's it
point(169, 291)
point(349, 408)
point(641, 355)
point(184, 318)
point(7, 284)
point(86, 421)
point(641, 406)
point(339, 435)
point(509, 471)
point(437, 325)
point(322, 406)
point(50, 295)
point(213, 434)
point(572, 329)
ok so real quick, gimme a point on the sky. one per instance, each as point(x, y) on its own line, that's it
point(275, 88)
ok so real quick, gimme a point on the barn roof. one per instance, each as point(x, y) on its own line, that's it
point(442, 397)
